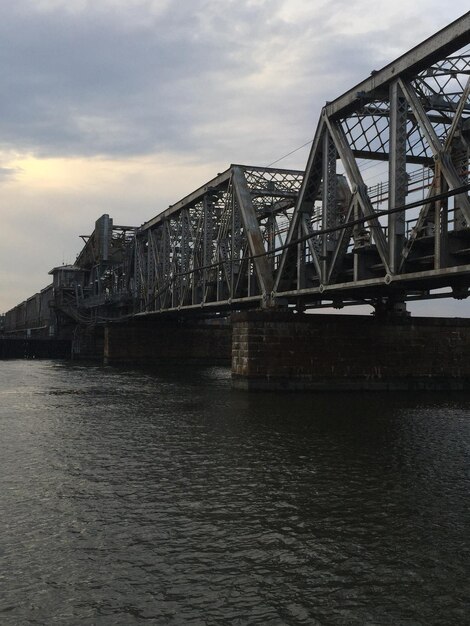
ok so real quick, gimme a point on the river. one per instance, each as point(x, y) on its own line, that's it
point(132, 496)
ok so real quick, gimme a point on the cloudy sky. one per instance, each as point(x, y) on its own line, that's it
point(125, 106)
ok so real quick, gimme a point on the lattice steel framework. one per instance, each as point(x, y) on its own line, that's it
point(263, 236)
point(414, 112)
point(214, 248)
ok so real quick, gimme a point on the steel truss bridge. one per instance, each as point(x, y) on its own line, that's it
point(260, 236)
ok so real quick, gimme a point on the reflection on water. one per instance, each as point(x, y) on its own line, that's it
point(167, 497)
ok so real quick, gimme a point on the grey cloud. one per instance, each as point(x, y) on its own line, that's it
point(7, 173)
point(93, 82)
point(88, 83)
point(105, 81)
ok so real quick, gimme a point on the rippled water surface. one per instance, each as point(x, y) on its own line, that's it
point(166, 497)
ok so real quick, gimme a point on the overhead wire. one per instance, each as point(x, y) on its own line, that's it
point(291, 152)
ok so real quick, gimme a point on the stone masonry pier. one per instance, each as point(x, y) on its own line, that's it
point(287, 351)
point(164, 340)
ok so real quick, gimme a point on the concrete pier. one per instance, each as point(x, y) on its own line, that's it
point(287, 351)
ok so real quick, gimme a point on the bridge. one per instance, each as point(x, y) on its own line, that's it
point(284, 241)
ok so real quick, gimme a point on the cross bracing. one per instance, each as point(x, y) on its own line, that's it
point(413, 112)
point(214, 248)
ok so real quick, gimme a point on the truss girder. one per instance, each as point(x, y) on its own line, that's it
point(415, 110)
point(213, 247)
point(259, 236)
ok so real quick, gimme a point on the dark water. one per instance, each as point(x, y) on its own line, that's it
point(133, 497)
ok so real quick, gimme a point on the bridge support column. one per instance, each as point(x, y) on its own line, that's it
point(162, 340)
point(288, 351)
point(87, 343)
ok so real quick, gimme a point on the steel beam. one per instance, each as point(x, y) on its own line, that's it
point(435, 48)
point(439, 151)
point(355, 178)
point(253, 233)
point(397, 174)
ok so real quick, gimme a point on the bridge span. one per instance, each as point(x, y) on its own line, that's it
point(286, 241)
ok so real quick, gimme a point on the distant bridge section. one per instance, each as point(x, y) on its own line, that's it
point(33, 316)
point(97, 284)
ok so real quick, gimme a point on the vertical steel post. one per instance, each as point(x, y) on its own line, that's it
point(329, 200)
point(397, 174)
point(150, 270)
point(207, 238)
point(185, 252)
point(237, 245)
point(253, 233)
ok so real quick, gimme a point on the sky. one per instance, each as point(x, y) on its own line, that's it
point(125, 106)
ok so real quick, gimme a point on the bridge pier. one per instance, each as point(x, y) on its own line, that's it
point(37, 347)
point(167, 339)
point(288, 351)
